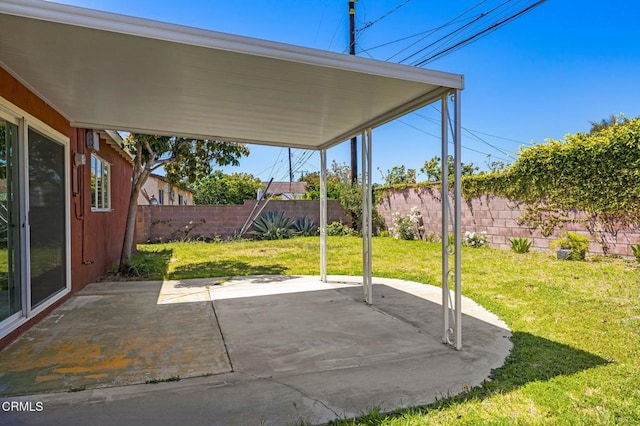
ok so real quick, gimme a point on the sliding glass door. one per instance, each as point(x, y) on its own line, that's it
point(34, 217)
point(47, 217)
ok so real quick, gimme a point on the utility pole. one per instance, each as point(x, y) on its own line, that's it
point(352, 51)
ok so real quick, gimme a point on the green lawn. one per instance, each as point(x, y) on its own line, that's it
point(576, 357)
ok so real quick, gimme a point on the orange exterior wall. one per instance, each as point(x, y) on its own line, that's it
point(96, 237)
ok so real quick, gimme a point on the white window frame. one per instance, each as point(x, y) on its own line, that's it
point(106, 195)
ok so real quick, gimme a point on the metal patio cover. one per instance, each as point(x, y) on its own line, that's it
point(108, 71)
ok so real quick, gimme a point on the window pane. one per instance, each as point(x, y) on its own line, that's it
point(100, 183)
point(47, 213)
point(105, 184)
point(94, 178)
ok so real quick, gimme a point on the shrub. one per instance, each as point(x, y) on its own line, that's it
point(305, 227)
point(475, 239)
point(274, 226)
point(337, 229)
point(520, 245)
point(432, 238)
point(636, 251)
point(574, 242)
point(407, 227)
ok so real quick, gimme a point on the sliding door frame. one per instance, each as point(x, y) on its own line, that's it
point(26, 121)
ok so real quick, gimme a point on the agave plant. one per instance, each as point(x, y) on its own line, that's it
point(305, 227)
point(274, 226)
point(520, 245)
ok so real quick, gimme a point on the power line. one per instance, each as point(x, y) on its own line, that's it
point(274, 164)
point(478, 35)
point(503, 138)
point(446, 36)
point(450, 34)
point(324, 9)
point(500, 150)
point(437, 29)
point(502, 10)
point(370, 24)
point(451, 143)
point(469, 131)
point(430, 31)
point(336, 32)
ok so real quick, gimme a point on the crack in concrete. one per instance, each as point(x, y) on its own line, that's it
point(224, 341)
point(270, 378)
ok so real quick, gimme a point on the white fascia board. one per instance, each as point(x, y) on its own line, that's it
point(76, 16)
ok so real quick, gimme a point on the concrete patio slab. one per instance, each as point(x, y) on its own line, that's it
point(281, 350)
point(113, 334)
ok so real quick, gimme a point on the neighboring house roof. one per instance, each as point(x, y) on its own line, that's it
point(277, 188)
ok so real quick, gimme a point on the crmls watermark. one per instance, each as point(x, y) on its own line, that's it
point(15, 406)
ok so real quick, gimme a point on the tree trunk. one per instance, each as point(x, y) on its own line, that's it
point(130, 228)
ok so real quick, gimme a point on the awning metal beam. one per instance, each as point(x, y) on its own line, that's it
point(451, 309)
point(323, 215)
point(367, 208)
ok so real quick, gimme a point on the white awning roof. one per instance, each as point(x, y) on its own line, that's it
point(108, 71)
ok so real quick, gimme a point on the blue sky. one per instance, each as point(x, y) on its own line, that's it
point(544, 75)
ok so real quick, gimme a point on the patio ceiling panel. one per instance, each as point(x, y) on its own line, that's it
point(102, 70)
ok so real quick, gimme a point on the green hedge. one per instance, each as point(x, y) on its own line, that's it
point(598, 174)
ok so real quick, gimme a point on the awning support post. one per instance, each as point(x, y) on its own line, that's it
point(323, 215)
point(452, 310)
point(457, 194)
point(444, 196)
point(367, 207)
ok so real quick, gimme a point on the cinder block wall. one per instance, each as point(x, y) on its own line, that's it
point(498, 217)
point(165, 223)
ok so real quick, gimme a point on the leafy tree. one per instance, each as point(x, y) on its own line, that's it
point(398, 175)
point(433, 169)
point(339, 187)
point(313, 187)
point(221, 188)
point(338, 175)
point(183, 159)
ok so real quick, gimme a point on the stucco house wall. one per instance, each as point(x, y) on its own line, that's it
point(172, 195)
